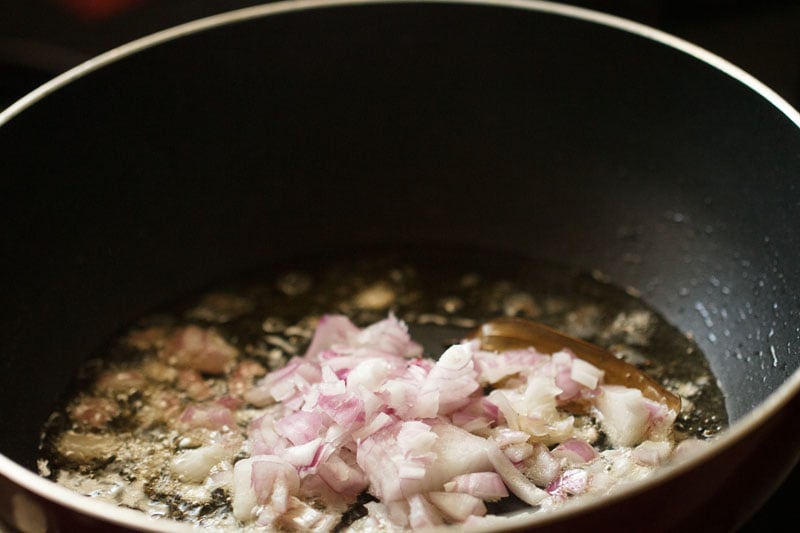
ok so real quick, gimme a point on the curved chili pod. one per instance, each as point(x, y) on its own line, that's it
point(509, 333)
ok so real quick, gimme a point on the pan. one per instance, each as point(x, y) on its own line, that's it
point(513, 129)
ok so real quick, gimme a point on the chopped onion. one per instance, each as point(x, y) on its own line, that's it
point(360, 411)
point(570, 482)
point(195, 465)
point(585, 373)
point(422, 514)
point(652, 453)
point(457, 506)
point(575, 451)
point(624, 414)
point(484, 485)
point(200, 349)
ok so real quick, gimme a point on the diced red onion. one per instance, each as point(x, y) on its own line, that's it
point(487, 486)
point(624, 414)
point(571, 482)
point(575, 451)
point(542, 467)
point(517, 483)
point(652, 453)
point(301, 426)
point(209, 416)
point(453, 378)
point(331, 330)
point(457, 506)
point(361, 411)
point(389, 336)
point(194, 465)
point(422, 514)
point(586, 373)
point(343, 475)
point(273, 479)
point(517, 453)
point(302, 455)
point(504, 436)
point(200, 349)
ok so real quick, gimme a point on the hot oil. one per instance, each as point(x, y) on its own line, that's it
point(270, 317)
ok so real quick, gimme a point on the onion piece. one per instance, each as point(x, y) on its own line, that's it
point(517, 483)
point(262, 481)
point(541, 467)
point(200, 349)
point(652, 453)
point(210, 416)
point(457, 506)
point(575, 451)
point(422, 514)
point(571, 482)
point(624, 414)
point(195, 465)
point(487, 486)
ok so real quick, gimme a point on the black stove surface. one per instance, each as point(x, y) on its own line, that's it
point(41, 38)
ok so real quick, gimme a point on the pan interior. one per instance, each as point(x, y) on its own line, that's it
point(511, 130)
point(269, 317)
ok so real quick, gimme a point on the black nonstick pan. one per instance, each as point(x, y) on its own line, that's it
point(529, 128)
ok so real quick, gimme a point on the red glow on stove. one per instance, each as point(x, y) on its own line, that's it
point(98, 10)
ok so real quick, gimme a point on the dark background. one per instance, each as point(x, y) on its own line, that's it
point(41, 38)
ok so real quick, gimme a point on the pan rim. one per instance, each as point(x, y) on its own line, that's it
point(738, 431)
point(284, 6)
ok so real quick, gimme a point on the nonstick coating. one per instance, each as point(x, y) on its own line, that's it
point(503, 128)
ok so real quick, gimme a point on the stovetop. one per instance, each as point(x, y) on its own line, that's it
point(41, 38)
